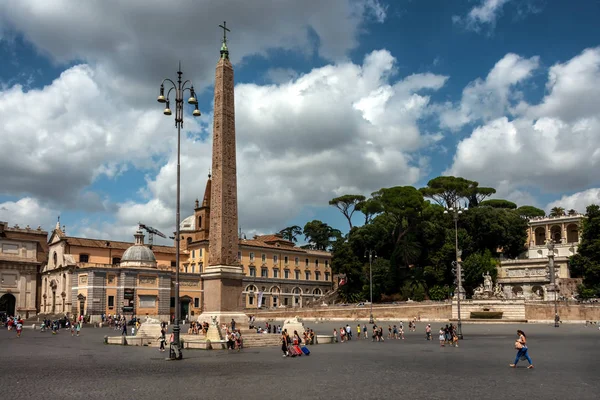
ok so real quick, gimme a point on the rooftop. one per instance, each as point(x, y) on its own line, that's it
point(100, 243)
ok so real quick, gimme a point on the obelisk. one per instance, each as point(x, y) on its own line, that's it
point(223, 275)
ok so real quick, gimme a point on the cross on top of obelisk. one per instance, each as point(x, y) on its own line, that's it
point(225, 30)
point(224, 49)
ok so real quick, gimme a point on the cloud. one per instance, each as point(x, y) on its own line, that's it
point(377, 9)
point(552, 145)
point(485, 14)
point(492, 97)
point(140, 41)
point(281, 75)
point(342, 127)
point(577, 201)
point(28, 211)
point(72, 131)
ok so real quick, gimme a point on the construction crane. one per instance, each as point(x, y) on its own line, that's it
point(151, 232)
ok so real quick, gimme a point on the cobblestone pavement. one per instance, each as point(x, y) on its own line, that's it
point(67, 367)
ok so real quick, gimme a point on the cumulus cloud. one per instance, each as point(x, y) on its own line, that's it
point(552, 145)
point(28, 211)
point(485, 14)
point(71, 132)
point(492, 97)
point(577, 201)
point(342, 127)
point(139, 40)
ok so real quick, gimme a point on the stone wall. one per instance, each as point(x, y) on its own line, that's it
point(431, 311)
point(424, 311)
point(567, 312)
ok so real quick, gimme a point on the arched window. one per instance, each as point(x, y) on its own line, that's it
point(555, 234)
point(572, 233)
point(54, 259)
point(540, 236)
point(251, 288)
point(64, 285)
point(189, 241)
point(317, 292)
point(199, 226)
point(296, 290)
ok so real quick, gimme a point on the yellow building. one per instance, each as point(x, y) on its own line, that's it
point(94, 277)
point(23, 251)
point(277, 272)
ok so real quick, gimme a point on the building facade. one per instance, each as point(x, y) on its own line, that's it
point(23, 252)
point(277, 273)
point(94, 277)
point(526, 277)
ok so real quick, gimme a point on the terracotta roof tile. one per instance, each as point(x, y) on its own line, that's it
point(85, 242)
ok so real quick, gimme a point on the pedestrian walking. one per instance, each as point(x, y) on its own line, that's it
point(522, 350)
point(161, 340)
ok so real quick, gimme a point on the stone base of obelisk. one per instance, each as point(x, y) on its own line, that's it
point(223, 298)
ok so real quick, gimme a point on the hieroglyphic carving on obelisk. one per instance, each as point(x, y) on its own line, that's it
point(223, 232)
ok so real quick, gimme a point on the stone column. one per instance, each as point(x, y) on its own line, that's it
point(222, 277)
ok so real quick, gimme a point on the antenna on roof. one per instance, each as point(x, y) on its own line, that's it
point(151, 232)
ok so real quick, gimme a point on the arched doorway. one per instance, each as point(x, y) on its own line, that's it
point(8, 304)
point(297, 292)
point(540, 236)
point(275, 292)
point(556, 234)
point(572, 233)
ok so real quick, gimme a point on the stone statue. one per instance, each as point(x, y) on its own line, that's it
point(478, 292)
point(498, 291)
point(487, 282)
point(214, 320)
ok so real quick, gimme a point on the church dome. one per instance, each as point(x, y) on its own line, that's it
point(138, 255)
point(188, 224)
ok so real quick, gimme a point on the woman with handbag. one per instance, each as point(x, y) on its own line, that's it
point(521, 346)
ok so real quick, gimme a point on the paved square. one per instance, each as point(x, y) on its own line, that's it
point(70, 367)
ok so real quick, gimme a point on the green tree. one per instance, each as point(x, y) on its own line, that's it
point(345, 262)
point(369, 208)
point(447, 191)
point(439, 293)
point(474, 266)
point(320, 236)
point(530, 212)
point(403, 204)
point(572, 212)
point(347, 204)
point(291, 233)
point(557, 212)
point(381, 282)
point(586, 263)
point(493, 229)
point(477, 194)
point(499, 203)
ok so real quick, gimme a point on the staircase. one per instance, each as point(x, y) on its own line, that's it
point(261, 340)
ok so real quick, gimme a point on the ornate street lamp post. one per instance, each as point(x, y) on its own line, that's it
point(550, 246)
point(456, 211)
point(179, 88)
point(371, 254)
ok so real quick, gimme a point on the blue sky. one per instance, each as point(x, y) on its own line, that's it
point(346, 97)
